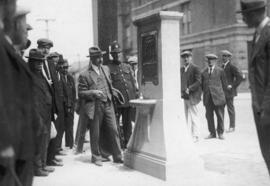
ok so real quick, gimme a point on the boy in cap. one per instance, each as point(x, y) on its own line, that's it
point(234, 78)
point(191, 93)
point(254, 15)
point(214, 85)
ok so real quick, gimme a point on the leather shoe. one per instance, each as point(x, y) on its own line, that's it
point(41, 173)
point(105, 159)
point(221, 137)
point(48, 169)
point(97, 163)
point(210, 136)
point(231, 129)
point(59, 160)
point(54, 163)
point(118, 161)
point(60, 153)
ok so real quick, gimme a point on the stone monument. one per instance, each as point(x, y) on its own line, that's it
point(161, 145)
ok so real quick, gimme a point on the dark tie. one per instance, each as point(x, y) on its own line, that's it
point(210, 71)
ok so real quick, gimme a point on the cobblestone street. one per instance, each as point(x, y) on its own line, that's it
point(235, 161)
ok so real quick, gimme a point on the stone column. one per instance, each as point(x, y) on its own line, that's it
point(161, 145)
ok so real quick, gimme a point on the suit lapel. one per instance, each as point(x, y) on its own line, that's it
point(93, 74)
point(259, 43)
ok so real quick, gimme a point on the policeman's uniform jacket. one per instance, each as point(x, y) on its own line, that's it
point(123, 80)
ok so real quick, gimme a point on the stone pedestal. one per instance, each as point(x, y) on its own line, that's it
point(161, 145)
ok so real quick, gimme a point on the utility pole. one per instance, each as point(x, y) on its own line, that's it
point(46, 20)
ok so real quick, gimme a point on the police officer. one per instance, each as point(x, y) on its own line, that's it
point(123, 80)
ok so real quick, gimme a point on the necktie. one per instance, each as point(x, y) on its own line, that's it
point(210, 71)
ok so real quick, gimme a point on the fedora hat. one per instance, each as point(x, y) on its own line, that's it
point(36, 55)
point(95, 51)
point(251, 5)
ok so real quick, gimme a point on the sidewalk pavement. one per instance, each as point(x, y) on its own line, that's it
point(235, 161)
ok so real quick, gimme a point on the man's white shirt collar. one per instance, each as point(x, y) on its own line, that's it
point(260, 27)
point(96, 69)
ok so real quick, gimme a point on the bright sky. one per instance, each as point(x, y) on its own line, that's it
point(71, 31)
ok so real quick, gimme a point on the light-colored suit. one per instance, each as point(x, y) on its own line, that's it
point(99, 114)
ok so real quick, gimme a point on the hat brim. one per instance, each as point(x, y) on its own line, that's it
point(116, 51)
point(250, 9)
point(98, 54)
point(40, 59)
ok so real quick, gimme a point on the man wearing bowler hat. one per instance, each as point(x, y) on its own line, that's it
point(214, 85)
point(123, 80)
point(95, 90)
point(43, 107)
point(234, 78)
point(254, 15)
point(191, 93)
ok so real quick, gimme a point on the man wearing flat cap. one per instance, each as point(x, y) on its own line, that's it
point(214, 85)
point(234, 78)
point(50, 74)
point(191, 93)
point(95, 91)
point(254, 15)
point(123, 80)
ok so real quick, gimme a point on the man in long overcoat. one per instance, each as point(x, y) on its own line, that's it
point(254, 15)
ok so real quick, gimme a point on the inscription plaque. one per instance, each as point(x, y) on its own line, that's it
point(149, 57)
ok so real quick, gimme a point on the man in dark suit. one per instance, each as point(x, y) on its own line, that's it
point(123, 80)
point(234, 78)
point(214, 85)
point(95, 89)
point(254, 15)
point(50, 74)
point(43, 106)
point(69, 103)
point(191, 93)
point(16, 103)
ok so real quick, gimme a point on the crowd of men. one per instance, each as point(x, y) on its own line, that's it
point(38, 97)
point(218, 82)
point(218, 85)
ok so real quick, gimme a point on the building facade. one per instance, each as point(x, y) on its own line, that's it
point(207, 26)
